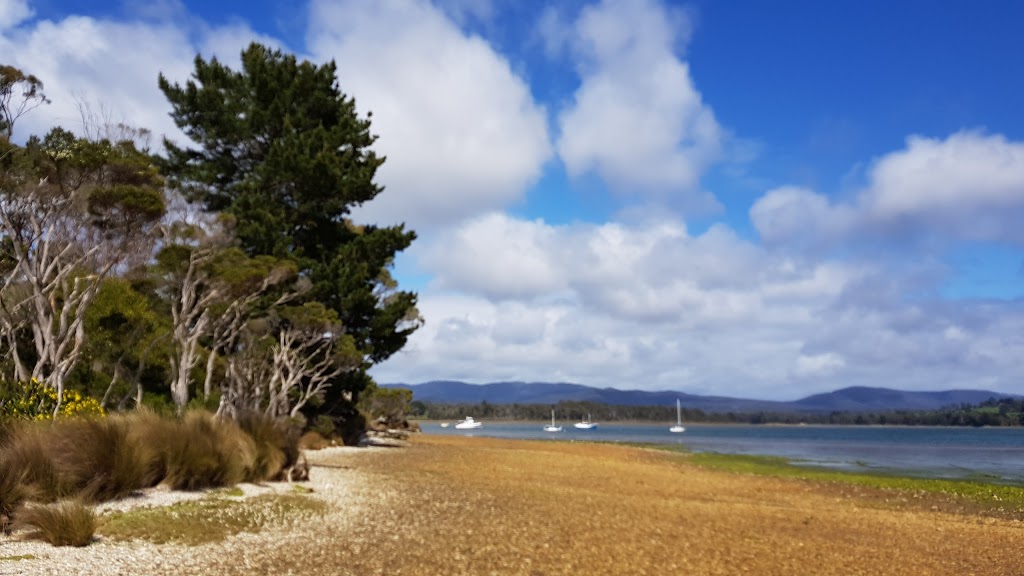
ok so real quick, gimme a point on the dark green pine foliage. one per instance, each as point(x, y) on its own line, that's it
point(282, 150)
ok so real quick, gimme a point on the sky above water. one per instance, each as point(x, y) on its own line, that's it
point(747, 198)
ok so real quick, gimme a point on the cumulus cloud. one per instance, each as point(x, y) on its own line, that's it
point(653, 306)
point(13, 12)
point(112, 66)
point(637, 119)
point(461, 130)
point(969, 186)
point(800, 217)
point(642, 305)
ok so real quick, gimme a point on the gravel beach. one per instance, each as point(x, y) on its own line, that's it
point(454, 505)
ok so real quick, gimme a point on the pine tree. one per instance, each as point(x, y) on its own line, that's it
point(282, 151)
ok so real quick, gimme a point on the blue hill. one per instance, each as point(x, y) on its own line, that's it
point(853, 399)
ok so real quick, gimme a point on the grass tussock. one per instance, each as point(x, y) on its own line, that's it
point(99, 460)
point(6, 429)
point(206, 452)
point(65, 523)
point(13, 492)
point(28, 450)
point(313, 440)
point(275, 448)
point(210, 519)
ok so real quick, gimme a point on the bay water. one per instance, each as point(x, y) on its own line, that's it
point(987, 454)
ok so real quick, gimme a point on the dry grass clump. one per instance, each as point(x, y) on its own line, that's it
point(313, 440)
point(210, 519)
point(6, 429)
point(99, 460)
point(66, 523)
point(202, 451)
point(276, 446)
point(28, 450)
point(95, 460)
point(13, 491)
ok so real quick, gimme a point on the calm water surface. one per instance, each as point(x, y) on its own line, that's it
point(993, 454)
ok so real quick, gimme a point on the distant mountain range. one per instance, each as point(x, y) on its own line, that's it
point(854, 399)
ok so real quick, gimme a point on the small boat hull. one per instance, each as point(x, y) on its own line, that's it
point(585, 425)
point(677, 429)
point(468, 424)
point(552, 428)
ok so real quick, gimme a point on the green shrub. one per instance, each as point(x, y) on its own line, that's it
point(34, 400)
point(67, 523)
point(98, 459)
point(323, 425)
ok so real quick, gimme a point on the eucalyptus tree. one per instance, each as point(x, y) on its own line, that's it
point(287, 360)
point(211, 290)
point(19, 94)
point(71, 211)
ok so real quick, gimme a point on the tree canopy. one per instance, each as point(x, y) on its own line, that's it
point(226, 273)
point(282, 150)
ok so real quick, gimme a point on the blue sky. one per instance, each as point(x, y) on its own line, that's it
point(765, 199)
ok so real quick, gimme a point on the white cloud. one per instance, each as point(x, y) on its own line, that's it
point(497, 256)
point(461, 130)
point(14, 12)
point(641, 305)
point(969, 186)
point(553, 30)
point(636, 119)
point(113, 66)
point(818, 364)
point(798, 216)
point(651, 306)
point(462, 10)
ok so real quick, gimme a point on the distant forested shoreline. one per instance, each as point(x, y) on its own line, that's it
point(992, 412)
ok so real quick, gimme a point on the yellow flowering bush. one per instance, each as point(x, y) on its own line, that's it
point(35, 400)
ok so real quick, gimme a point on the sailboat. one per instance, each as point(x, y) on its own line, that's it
point(586, 424)
point(679, 419)
point(552, 427)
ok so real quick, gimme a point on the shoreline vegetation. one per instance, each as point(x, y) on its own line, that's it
point(1007, 412)
point(460, 505)
point(53, 472)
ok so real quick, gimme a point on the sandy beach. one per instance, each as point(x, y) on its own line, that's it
point(454, 505)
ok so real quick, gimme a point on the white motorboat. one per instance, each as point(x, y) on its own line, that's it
point(552, 427)
point(679, 420)
point(445, 424)
point(586, 424)
point(468, 424)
